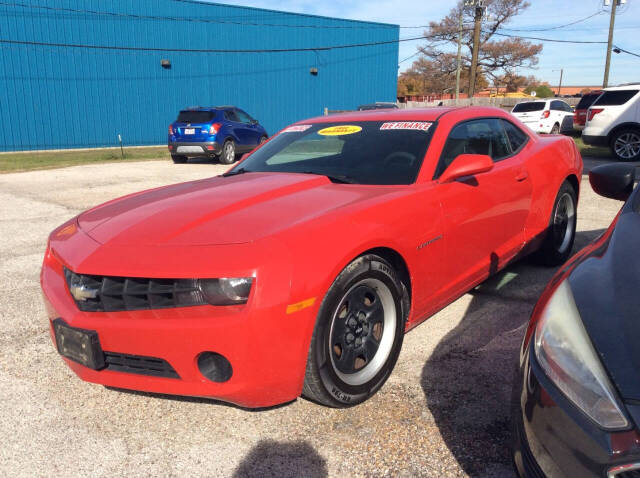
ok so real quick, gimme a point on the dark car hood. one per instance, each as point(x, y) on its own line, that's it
point(220, 210)
point(606, 287)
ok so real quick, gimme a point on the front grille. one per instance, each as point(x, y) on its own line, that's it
point(140, 365)
point(93, 293)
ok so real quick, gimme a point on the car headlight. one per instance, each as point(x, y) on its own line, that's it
point(225, 291)
point(565, 353)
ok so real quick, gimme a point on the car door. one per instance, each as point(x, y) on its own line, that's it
point(250, 127)
point(484, 215)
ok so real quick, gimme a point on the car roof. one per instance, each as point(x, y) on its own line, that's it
point(411, 114)
point(626, 86)
point(208, 108)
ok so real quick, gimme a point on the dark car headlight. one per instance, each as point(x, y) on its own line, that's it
point(225, 291)
point(565, 353)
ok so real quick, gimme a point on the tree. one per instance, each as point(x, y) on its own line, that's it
point(513, 83)
point(434, 76)
point(542, 91)
point(497, 58)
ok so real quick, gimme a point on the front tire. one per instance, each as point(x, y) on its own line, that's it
point(228, 153)
point(625, 144)
point(358, 334)
point(561, 232)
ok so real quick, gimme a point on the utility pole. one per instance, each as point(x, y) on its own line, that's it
point(479, 10)
point(459, 56)
point(560, 84)
point(612, 22)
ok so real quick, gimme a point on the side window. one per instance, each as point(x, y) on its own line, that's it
point(229, 115)
point(243, 117)
point(517, 138)
point(483, 136)
point(556, 106)
point(567, 108)
point(615, 98)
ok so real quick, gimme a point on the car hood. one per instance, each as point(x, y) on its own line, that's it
point(221, 210)
point(605, 286)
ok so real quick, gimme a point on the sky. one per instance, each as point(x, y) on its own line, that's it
point(582, 64)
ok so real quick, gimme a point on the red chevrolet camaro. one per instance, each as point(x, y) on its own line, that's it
point(300, 269)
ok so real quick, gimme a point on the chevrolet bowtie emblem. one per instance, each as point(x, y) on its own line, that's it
point(82, 292)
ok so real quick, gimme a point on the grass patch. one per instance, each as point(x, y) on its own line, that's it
point(25, 161)
point(593, 151)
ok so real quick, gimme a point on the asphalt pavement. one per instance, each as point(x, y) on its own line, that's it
point(444, 411)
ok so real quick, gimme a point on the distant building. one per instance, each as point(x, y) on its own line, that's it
point(78, 74)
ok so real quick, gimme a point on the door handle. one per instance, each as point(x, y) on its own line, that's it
point(522, 176)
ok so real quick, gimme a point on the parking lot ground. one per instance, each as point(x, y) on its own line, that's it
point(443, 412)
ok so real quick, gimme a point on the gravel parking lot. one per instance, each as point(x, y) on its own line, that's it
point(443, 412)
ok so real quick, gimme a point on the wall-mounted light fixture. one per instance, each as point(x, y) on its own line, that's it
point(166, 64)
point(313, 71)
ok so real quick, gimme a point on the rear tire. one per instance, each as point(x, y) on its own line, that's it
point(625, 144)
point(228, 153)
point(561, 232)
point(178, 159)
point(358, 334)
point(555, 129)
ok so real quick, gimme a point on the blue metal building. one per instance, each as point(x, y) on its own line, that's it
point(77, 73)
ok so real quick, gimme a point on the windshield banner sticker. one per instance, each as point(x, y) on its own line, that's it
point(415, 125)
point(297, 128)
point(340, 130)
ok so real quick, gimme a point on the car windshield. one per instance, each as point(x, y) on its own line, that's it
point(195, 117)
point(367, 152)
point(528, 107)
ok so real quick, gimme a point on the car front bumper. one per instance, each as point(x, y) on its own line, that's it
point(553, 438)
point(194, 149)
point(266, 347)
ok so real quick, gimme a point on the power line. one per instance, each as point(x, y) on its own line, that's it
point(616, 47)
point(554, 40)
point(206, 50)
point(553, 28)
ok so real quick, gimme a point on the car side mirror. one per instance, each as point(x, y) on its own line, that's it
point(253, 121)
point(466, 165)
point(613, 181)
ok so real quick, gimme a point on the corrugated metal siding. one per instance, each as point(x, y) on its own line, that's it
point(58, 97)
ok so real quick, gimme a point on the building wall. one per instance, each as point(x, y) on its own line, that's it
point(62, 97)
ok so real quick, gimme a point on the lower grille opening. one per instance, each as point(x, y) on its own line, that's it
point(156, 367)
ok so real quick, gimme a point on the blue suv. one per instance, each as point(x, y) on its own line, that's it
point(220, 132)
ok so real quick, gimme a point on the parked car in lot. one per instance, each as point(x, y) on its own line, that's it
point(545, 116)
point(580, 113)
point(577, 396)
point(613, 120)
point(221, 132)
point(300, 269)
point(379, 105)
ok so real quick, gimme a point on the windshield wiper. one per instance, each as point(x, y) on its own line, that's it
point(337, 178)
point(235, 172)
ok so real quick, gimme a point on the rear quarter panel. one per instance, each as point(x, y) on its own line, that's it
point(551, 161)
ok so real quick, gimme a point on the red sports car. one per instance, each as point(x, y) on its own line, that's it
point(300, 269)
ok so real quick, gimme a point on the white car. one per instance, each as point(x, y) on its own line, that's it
point(545, 116)
point(613, 120)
